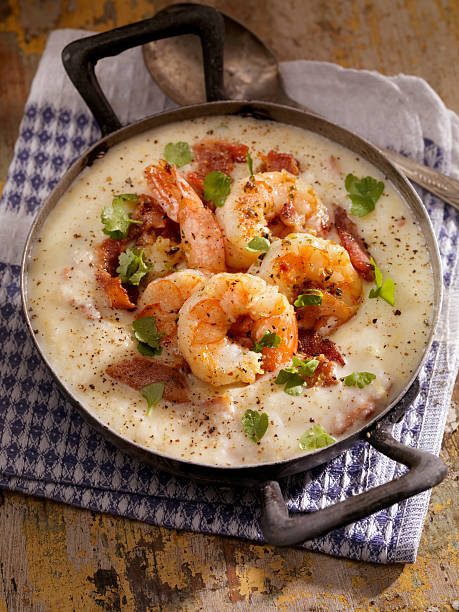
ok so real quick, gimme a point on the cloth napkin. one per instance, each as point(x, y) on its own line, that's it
point(46, 449)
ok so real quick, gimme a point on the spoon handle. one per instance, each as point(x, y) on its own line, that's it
point(437, 183)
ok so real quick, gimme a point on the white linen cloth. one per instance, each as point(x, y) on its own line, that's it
point(45, 447)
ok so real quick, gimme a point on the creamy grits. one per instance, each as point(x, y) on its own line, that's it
point(82, 335)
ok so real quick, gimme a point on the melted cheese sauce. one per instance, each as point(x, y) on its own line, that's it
point(387, 341)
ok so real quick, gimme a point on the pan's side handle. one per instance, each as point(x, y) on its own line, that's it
point(80, 57)
point(425, 471)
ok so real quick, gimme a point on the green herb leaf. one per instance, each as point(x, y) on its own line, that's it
point(250, 163)
point(308, 367)
point(294, 385)
point(292, 377)
point(178, 153)
point(217, 186)
point(311, 298)
point(315, 438)
point(132, 268)
point(364, 193)
point(146, 332)
point(152, 393)
point(255, 424)
point(359, 379)
point(116, 218)
point(268, 340)
point(384, 290)
point(259, 244)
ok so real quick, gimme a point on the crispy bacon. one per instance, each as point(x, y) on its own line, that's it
point(275, 161)
point(212, 155)
point(150, 212)
point(311, 344)
point(353, 243)
point(138, 373)
point(107, 255)
point(324, 376)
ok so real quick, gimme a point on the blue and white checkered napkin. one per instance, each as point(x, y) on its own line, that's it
point(46, 448)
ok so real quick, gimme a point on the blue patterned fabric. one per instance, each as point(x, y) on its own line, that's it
point(46, 448)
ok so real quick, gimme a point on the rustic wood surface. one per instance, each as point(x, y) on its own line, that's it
point(55, 557)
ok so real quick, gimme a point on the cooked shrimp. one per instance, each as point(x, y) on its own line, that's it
point(220, 323)
point(255, 202)
point(163, 299)
point(202, 239)
point(301, 262)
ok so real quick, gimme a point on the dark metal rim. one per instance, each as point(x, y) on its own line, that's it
point(262, 110)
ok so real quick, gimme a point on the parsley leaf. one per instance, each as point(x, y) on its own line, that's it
point(268, 340)
point(292, 377)
point(178, 153)
point(259, 244)
point(361, 379)
point(217, 186)
point(364, 193)
point(132, 268)
point(116, 218)
point(311, 298)
point(384, 290)
point(250, 163)
point(315, 438)
point(146, 332)
point(152, 393)
point(255, 424)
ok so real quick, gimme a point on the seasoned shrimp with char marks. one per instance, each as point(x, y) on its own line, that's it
point(202, 239)
point(163, 299)
point(302, 262)
point(268, 203)
point(220, 324)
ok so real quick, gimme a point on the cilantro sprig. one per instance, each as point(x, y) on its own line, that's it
point(116, 218)
point(178, 153)
point(152, 393)
point(259, 244)
point(359, 379)
point(384, 289)
point(217, 186)
point(364, 193)
point(293, 376)
point(268, 340)
point(315, 438)
point(313, 297)
point(146, 332)
point(132, 267)
point(254, 424)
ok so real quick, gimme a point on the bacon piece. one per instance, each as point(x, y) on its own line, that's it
point(107, 255)
point(353, 243)
point(150, 212)
point(214, 155)
point(324, 376)
point(138, 373)
point(115, 291)
point(312, 344)
point(275, 161)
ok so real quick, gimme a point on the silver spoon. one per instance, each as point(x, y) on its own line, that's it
point(252, 73)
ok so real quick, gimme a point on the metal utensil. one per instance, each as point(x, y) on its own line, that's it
point(251, 72)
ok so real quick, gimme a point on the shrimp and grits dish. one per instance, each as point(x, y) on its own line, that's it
point(232, 291)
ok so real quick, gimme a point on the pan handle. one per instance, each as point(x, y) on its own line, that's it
point(80, 57)
point(425, 471)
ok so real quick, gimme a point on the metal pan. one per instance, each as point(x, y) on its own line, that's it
point(425, 469)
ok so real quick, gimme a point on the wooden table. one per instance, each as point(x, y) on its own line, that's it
point(54, 557)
